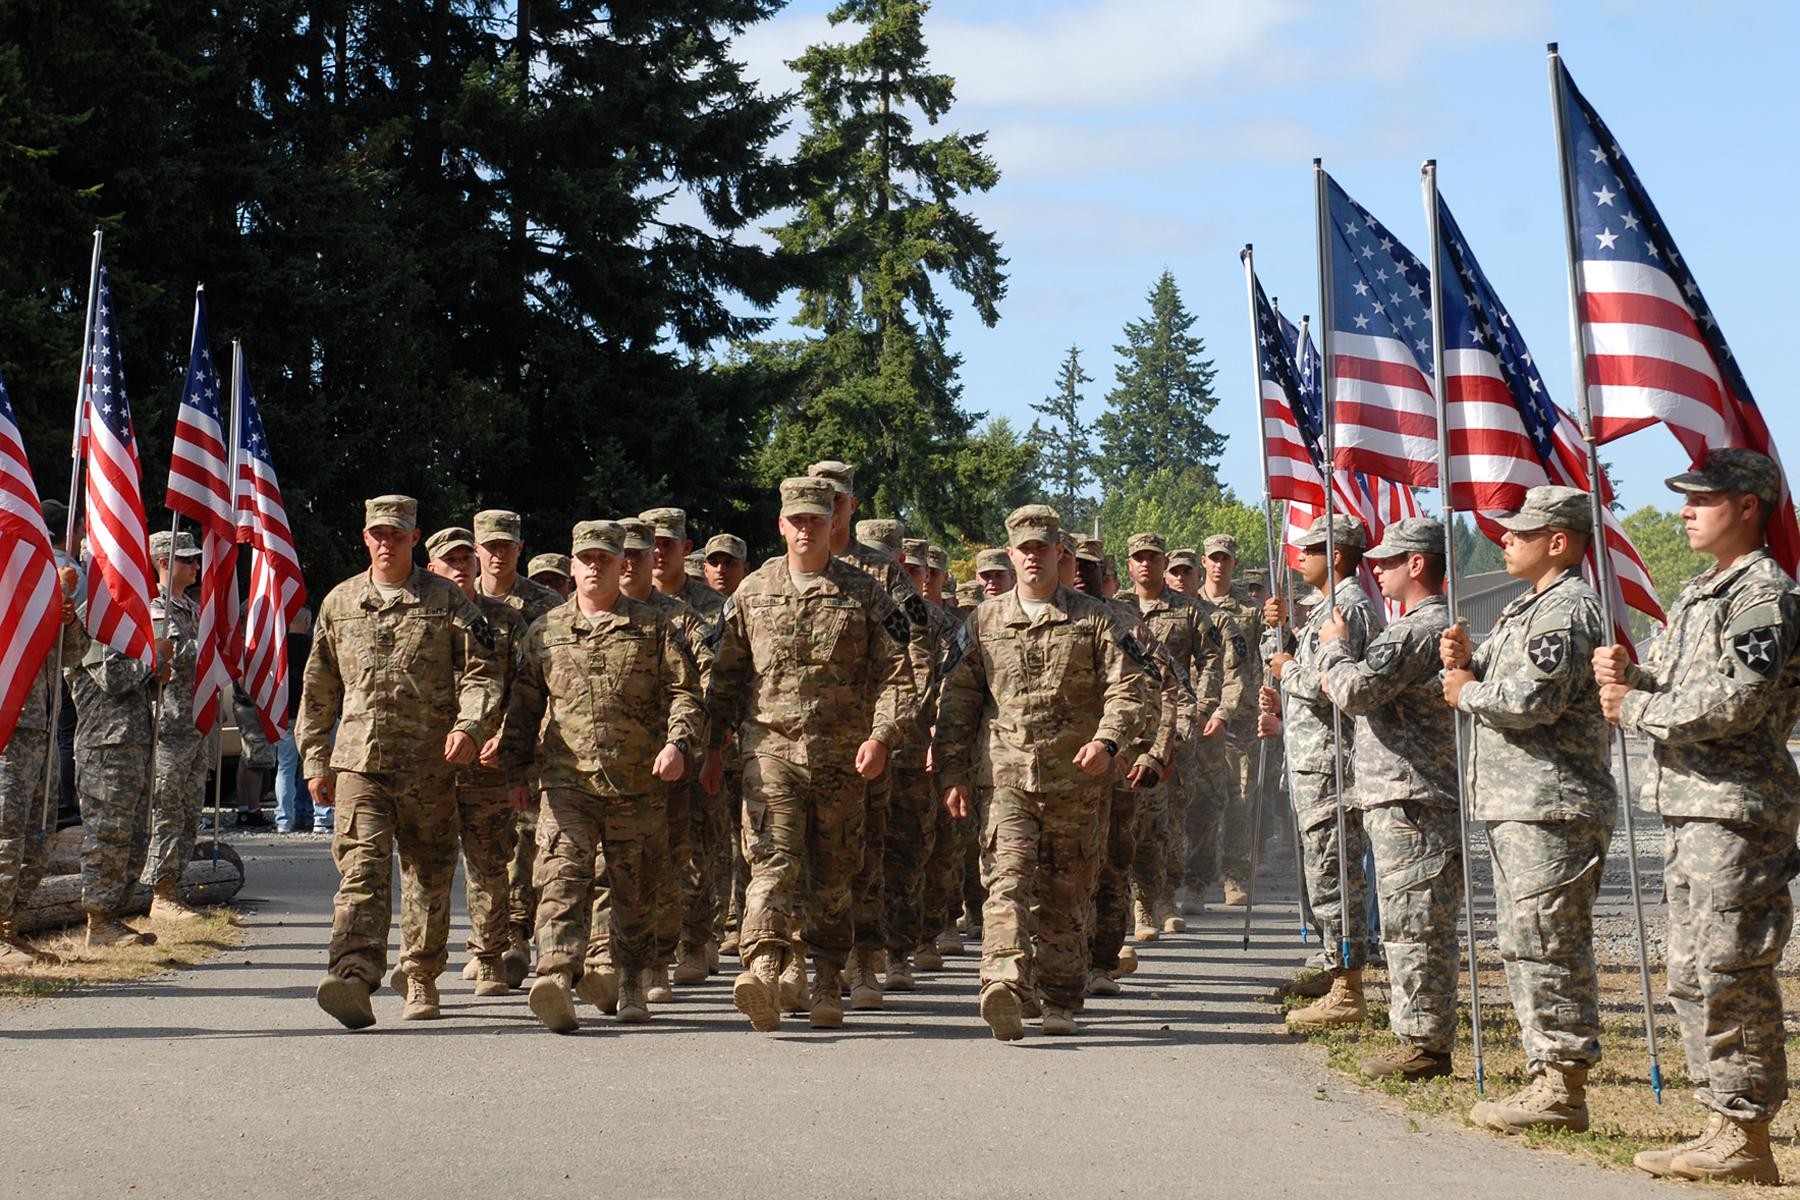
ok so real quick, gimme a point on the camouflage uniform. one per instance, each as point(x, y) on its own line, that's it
point(1539, 777)
point(1228, 768)
point(1717, 697)
point(1024, 697)
point(396, 675)
point(28, 780)
point(182, 755)
point(1308, 729)
point(487, 823)
point(1405, 750)
point(804, 677)
point(112, 695)
point(596, 699)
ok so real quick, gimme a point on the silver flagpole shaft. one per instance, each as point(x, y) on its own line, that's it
point(1329, 600)
point(1248, 255)
point(1597, 543)
point(1428, 177)
point(231, 456)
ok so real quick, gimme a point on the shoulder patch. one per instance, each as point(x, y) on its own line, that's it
point(916, 611)
point(1383, 655)
point(898, 627)
point(1758, 651)
point(1239, 646)
point(1135, 651)
point(1548, 652)
point(958, 647)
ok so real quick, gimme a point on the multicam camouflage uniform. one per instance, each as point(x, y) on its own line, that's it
point(487, 823)
point(182, 755)
point(1717, 697)
point(396, 675)
point(112, 695)
point(1221, 818)
point(25, 764)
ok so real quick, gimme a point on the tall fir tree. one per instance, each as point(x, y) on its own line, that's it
point(1156, 418)
point(878, 227)
point(1066, 453)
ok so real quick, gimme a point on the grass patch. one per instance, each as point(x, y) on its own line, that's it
point(1623, 1110)
point(178, 944)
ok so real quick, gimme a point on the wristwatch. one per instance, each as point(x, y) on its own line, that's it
point(1112, 747)
point(681, 744)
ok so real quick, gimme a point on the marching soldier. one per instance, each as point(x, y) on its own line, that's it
point(994, 573)
point(726, 565)
point(1182, 573)
point(669, 566)
point(552, 571)
point(1219, 822)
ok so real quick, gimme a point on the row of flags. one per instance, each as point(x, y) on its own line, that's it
point(220, 476)
point(1651, 353)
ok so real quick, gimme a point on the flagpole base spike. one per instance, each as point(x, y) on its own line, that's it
point(1480, 1082)
point(1656, 1081)
point(1344, 951)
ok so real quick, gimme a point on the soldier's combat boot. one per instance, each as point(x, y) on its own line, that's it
point(1235, 895)
point(865, 988)
point(166, 904)
point(515, 963)
point(469, 970)
point(949, 942)
point(1058, 1021)
point(13, 958)
point(1556, 1098)
point(11, 939)
point(1308, 984)
point(757, 990)
point(1168, 916)
point(826, 1009)
point(1028, 1003)
point(1407, 1062)
point(712, 958)
point(1128, 962)
point(488, 979)
point(730, 944)
point(1147, 927)
point(926, 957)
point(899, 974)
point(690, 964)
point(633, 1008)
point(553, 1003)
point(1191, 901)
point(657, 989)
point(1738, 1151)
point(600, 985)
point(422, 999)
point(793, 985)
point(108, 930)
point(347, 1000)
point(1661, 1163)
point(1099, 983)
point(1342, 1005)
point(1000, 1009)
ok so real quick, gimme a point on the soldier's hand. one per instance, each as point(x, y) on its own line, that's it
point(670, 763)
point(1268, 725)
point(323, 790)
point(712, 771)
point(519, 797)
point(1610, 665)
point(1279, 663)
point(1334, 629)
point(1093, 758)
point(68, 610)
point(490, 753)
point(459, 748)
point(1268, 700)
point(871, 758)
point(1453, 647)
point(1214, 727)
point(1612, 700)
point(1455, 680)
point(956, 802)
point(1274, 611)
point(931, 760)
point(1144, 776)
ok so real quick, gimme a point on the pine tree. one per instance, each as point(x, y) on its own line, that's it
point(1156, 417)
point(1066, 457)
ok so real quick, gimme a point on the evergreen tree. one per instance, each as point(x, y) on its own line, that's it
point(1066, 457)
point(1156, 417)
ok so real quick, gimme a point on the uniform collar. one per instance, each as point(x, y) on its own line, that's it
point(1718, 582)
point(409, 590)
point(1532, 595)
point(1056, 608)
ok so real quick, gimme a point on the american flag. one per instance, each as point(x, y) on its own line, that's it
point(1505, 433)
point(200, 488)
point(1382, 402)
point(30, 593)
point(276, 589)
point(1653, 348)
point(120, 582)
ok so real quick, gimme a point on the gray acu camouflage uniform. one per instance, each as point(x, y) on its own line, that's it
point(1406, 790)
point(1307, 731)
point(1717, 698)
point(24, 765)
point(1539, 777)
point(112, 695)
point(182, 755)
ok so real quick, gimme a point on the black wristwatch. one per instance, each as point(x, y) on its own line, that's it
point(1112, 747)
point(681, 744)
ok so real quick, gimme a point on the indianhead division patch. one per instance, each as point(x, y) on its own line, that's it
point(1547, 652)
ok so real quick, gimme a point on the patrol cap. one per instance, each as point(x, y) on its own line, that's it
point(56, 516)
point(935, 558)
point(1347, 532)
point(949, 584)
point(1729, 469)
point(1146, 541)
point(635, 533)
point(1550, 506)
point(596, 535)
point(727, 544)
point(917, 552)
point(395, 512)
point(499, 525)
point(1066, 540)
point(666, 522)
point(808, 495)
point(1185, 557)
point(1109, 567)
point(445, 540)
point(841, 475)
point(548, 564)
point(1090, 550)
point(1221, 543)
point(1032, 523)
point(992, 559)
point(1410, 535)
point(973, 592)
point(1255, 577)
point(694, 563)
point(881, 533)
point(185, 546)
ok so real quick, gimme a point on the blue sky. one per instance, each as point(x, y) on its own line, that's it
point(1134, 135)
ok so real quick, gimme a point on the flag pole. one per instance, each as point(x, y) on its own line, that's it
point(81, 394)
point(1248, 255)
point(1307, 917)
point(1597, 543)
point(231, 470)
point(1428, 178)
point(1323, 203)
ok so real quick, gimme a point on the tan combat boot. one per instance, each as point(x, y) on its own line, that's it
point(1168, 916)
point(422, 999)
point(1739, 1151)
point(1000, 1009)
point(1147, 927)
point(690, 964)
point(756, 992)
point(347, 1000)
point(793, 984)
point(633, 1008)
point(515, 963)
point(730, 944)
point(552, 1002)
point(657, 988)
point(166, 904)
point(1128, 962)
point(712, 957)
point(470, 970)
point(899, 974)
point(488, 979)
point(107, 930)
point(1342, 1005)
point(827, 1002)
point(11, 939)
point(15, 954)
point(1191, 901)
point(1058, 1021)
point(926, 957)
point(1556, 1098)
point(865, 988)
point(1405, 1061)
point(1308, 984)
point(1099, 983)
point(599, 985)
point(1235, 895)
point(1661, 1163)
point(949, 942)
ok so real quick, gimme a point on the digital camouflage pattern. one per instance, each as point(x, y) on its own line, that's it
point(112, 695)
point(1315, 794)
point(182, 755)
point(1307, 727)
point(1419, 879)
point(24, 789)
